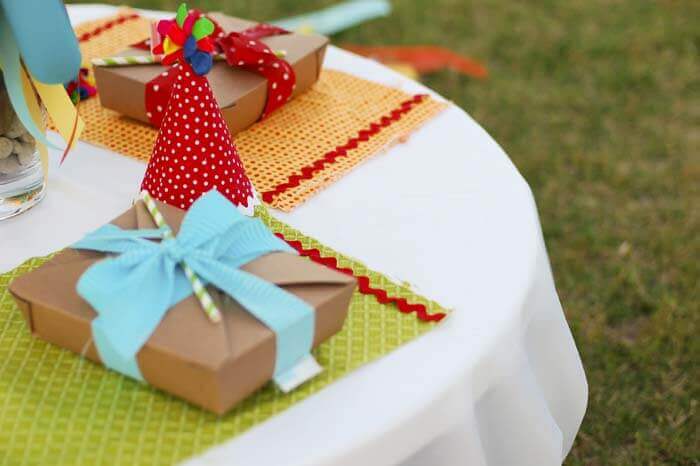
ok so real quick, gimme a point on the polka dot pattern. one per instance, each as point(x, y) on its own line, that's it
point(296, 136)
point(194, 152)
point(244, 50)
point(157, 95)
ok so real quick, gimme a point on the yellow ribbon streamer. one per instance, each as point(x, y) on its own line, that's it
point(35, 112)
point(59, 108)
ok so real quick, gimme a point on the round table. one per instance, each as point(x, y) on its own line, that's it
point(499, 383)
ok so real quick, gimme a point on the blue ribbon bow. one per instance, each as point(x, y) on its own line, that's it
point(132, 291)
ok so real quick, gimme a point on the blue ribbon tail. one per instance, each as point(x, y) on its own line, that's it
point(111, 238)
point(110, 354)
point(127, 311)
point(290, 318)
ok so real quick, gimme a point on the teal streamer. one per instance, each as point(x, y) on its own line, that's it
point(10, 66)
point(132, 290)
point(45, 38)
point(338, 17)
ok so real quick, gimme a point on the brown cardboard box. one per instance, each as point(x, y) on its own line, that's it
point(211, 365)
point(241, 94)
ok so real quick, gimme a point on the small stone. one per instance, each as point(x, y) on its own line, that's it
point(16, 128)
point(24, 152)
point(6, 146)
point(27, 143)
point(26, 158)
point(9, 165)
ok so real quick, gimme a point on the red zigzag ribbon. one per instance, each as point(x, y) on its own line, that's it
point(106, 26)
point(363, 135)
point(364, 284)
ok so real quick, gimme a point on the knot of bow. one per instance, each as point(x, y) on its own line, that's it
point(132, 290)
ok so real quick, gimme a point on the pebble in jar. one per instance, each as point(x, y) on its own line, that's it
point(21, 177)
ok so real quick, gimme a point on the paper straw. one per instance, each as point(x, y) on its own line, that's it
point(136, 60)
point(125, 61)
point(199, 290)
point(149, 59)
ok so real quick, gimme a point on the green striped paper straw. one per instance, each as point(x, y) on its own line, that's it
point(135, 60)
point(199, 290)
point(149, 59)
point(125, 61)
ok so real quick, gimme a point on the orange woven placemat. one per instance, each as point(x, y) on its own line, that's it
point(298, 150)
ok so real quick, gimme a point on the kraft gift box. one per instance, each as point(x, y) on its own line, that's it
point(241, 94)
point(211, 365)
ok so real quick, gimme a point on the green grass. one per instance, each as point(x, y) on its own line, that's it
point(598, 104)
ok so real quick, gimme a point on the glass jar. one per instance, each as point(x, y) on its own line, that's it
point(21, 177)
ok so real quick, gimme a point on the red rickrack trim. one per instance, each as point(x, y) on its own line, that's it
point(364, 284)
point(106, 26)
point(363, 135)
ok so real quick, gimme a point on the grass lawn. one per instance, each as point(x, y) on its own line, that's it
point(598, 104)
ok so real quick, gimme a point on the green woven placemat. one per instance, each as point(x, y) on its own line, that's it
point(56, 408)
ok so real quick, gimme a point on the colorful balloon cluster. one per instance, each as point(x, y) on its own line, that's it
point(187, 39)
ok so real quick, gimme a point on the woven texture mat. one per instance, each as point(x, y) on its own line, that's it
point(301, 148)
point(59, 409)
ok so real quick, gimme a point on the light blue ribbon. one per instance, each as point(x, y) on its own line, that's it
point(337, 17)
point(132, 291)
point(44, 36)
point(10, 66)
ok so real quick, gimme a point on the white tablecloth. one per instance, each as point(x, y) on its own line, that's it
point(499, 383)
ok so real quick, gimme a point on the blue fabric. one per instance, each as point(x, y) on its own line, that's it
point(133, 290)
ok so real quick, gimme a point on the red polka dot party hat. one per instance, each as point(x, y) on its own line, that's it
point(194, 152)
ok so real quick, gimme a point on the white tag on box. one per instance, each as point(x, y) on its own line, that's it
point(306, 369)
